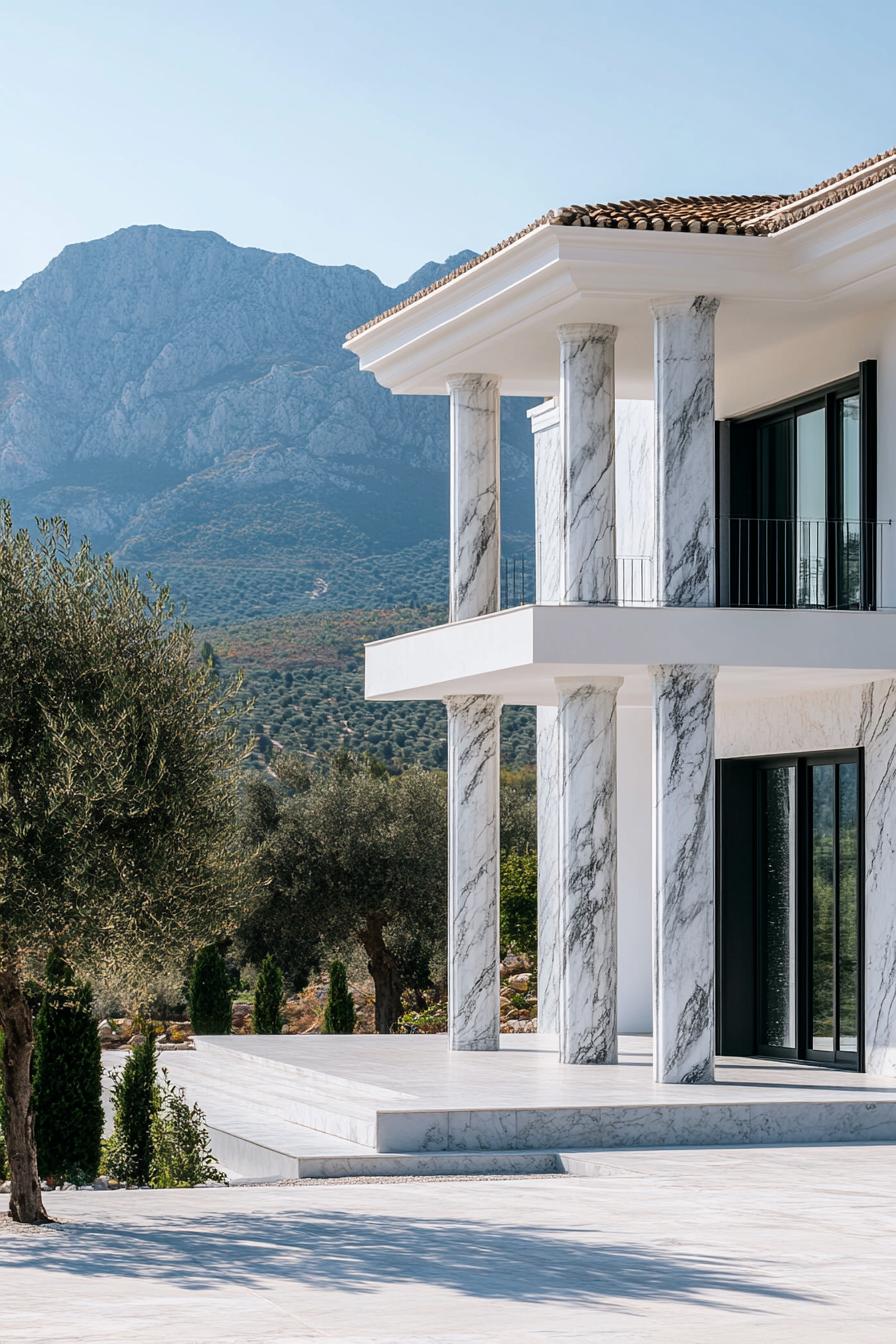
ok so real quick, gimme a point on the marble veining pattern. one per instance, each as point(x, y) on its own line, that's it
point(475, 525)
point(684, 878)
point(877, 732)
point(588, 446)
point(586, 733)
point(548, 808)
point(685, 446)
point(473, 838)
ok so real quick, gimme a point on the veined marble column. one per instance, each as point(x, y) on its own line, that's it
point(545, 421)
point(877, 733)
point(475, 526)
point(588, 446)
point(684, 873)
point(473, 871)
point(586, 731)
point(684, 371)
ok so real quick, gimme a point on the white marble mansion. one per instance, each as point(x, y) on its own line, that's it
point(712, 642)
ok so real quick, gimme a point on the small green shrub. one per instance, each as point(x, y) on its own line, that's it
point(67, 1080)
point(266, 1017)
point(519, 903)
point(127, 1156)
point(181, 1150)
point(428, 1021)
point(339, 1013)
point(210, 994)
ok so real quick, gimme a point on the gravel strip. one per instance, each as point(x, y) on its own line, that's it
point(409, 1180)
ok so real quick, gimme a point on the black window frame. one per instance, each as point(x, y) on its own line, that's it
point(750, 958)
point(741, 433)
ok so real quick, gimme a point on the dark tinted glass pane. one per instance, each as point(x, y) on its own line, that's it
point(778, 931)
point(811, 508)
point(822, 1033)
point(766, 543)
point(849, 571)
point(847, 951)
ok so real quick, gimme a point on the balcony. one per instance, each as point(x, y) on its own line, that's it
point(767, 563)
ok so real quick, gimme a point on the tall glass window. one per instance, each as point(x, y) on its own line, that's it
point(848, 909)
point(849, 542)
point(811, 508)
point(796, 496)
point(822, 880)
point(835, 909)
point(777, 925)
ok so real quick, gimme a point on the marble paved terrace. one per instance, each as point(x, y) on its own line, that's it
point(683, 1246)
point(337, 1106)
point(525, 1072)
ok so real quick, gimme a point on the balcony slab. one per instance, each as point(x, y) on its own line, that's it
point(519, 653)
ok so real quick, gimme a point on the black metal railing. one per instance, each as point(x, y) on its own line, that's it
point(517, 581)
point(832, 563)
point(803, 563)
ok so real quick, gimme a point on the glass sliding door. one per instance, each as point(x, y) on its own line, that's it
point(789, 928)
point(835, 881)
point(821, 878)
point(777, 1029)
point(848, 911)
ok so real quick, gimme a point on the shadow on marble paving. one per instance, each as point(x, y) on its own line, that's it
point(361, 1252)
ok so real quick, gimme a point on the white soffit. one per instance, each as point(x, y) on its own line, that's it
point(500, 317)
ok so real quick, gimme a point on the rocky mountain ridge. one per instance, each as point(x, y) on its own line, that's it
point(188, 404)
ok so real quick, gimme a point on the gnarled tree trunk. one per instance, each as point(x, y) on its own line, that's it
point(386, 975)
point(25, 1203)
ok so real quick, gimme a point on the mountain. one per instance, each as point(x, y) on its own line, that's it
point(188, 404)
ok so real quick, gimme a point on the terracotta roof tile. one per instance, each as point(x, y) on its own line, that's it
point(756, 216)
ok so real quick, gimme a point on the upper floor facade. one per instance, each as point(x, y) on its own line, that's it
point(717, 431)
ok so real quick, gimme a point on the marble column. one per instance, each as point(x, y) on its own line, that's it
point(586, 733)
point(545, 421)
point(684, 370)
point(588, 447)
point(877, 733)
point(473, 871)
point(684, 873)
point(475, 525)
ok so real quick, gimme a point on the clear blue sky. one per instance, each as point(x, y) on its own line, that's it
point(388, 132)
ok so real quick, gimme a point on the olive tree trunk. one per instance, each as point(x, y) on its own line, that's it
point(386, 975)
point(25, 1203)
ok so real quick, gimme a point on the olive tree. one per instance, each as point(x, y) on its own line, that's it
point(352, 854)
point(118, 771)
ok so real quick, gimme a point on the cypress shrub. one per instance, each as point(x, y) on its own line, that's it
point(67, 1080)
point(135, 1097)
point(339, 1014)
point(4, 1165)
point(181, 1149)
point(210, 1010)
point(267, 1018)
